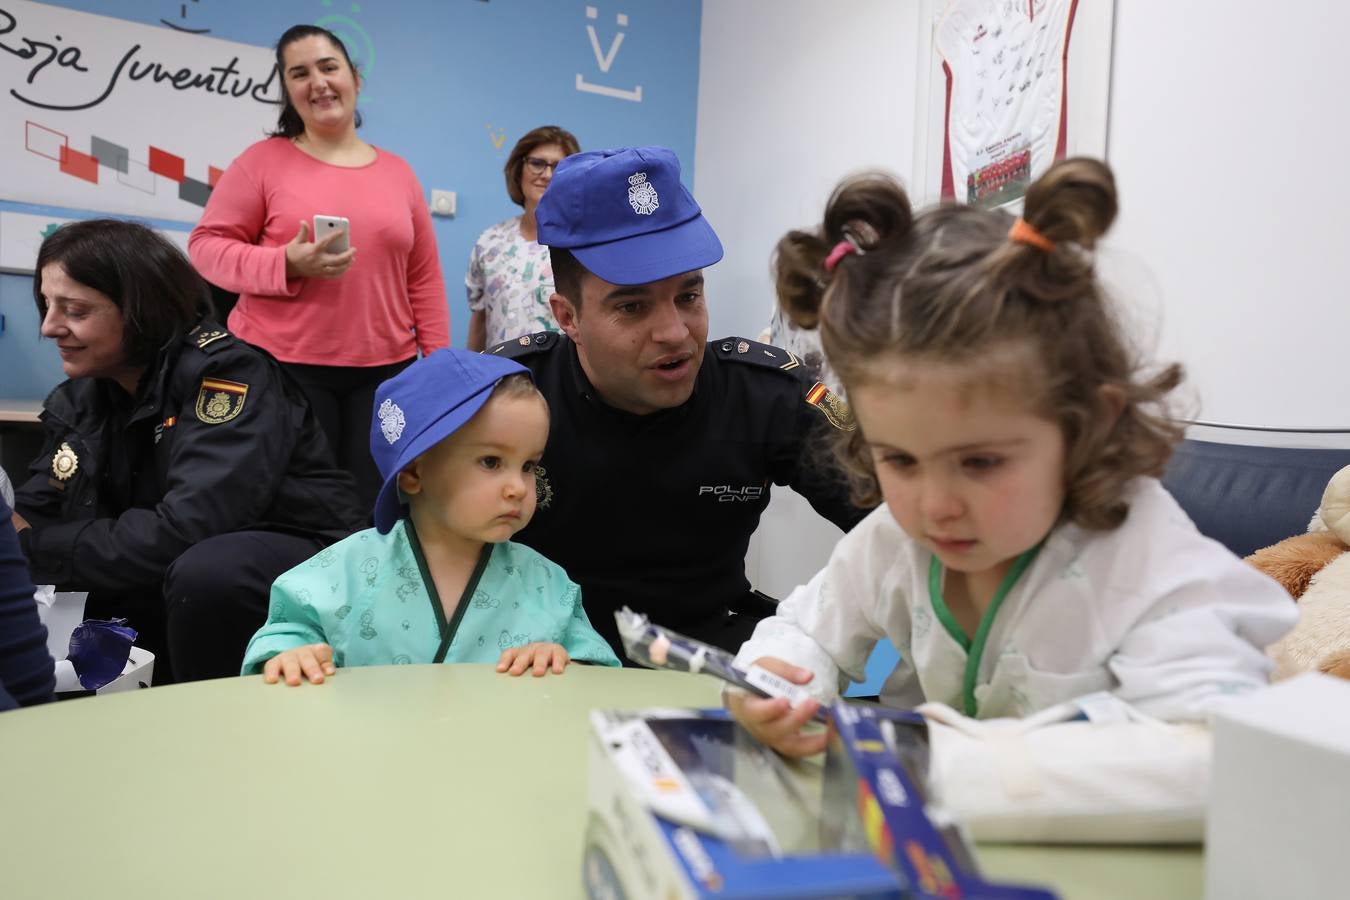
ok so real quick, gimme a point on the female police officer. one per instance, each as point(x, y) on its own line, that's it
point(182, 471)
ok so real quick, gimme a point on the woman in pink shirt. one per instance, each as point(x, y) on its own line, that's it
point(340, 322)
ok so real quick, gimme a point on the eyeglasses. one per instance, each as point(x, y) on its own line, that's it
point(537, 164)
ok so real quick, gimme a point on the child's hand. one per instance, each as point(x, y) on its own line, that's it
point(515, 660)
point(774, 720)
point(312, 661)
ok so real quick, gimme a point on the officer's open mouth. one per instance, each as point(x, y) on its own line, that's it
point(672, 362)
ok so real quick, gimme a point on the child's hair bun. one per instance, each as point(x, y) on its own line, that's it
point(1072, 205)
point(1074, 201)
point(870, 210)
point(798, 262)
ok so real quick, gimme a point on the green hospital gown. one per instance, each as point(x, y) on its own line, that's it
point(366, 596)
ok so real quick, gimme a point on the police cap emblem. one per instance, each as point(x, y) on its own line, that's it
point(391, 421)
point(641, 195)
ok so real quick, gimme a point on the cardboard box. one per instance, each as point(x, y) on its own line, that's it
point(684, 804)
point(1280, 796)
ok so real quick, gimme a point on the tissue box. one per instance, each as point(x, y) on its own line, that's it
point(139, 672)
point(1280, 795)
point(684, 804)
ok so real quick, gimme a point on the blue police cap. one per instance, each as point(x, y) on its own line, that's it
point(625, 216)
point(422, 406)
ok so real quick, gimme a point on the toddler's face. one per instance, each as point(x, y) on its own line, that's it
point(971, 473)
point(479, 483)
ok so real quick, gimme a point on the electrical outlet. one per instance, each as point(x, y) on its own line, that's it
point(442, 203)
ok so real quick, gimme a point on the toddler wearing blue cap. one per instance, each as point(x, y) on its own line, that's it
point(457, 438)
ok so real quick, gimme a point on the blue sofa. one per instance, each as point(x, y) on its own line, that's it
point(1249, 497)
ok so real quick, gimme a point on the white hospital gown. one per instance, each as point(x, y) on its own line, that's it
point(1153, 619)
point(1152, 611)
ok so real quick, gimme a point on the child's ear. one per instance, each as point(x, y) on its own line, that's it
point(410, 480)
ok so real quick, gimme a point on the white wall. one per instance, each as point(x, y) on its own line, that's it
point(793, 94)
point(1228, 131)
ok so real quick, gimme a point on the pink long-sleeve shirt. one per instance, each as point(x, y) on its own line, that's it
point(388, 305)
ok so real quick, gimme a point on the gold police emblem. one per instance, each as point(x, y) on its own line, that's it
point(543, 490)
point(219, 400)
point(64, 462)
point(834, 407)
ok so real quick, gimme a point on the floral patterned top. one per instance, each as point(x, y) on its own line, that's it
point(511, 279)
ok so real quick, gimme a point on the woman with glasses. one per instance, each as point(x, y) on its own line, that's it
point(510, 278)
point(341, 319)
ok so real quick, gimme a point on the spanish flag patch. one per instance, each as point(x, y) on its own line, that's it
point(832, 406)
point(219, 400)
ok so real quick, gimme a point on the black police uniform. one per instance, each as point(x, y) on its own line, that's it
point(194, 495)
point(656, 512)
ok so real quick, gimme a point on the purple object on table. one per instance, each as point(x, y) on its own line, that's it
point(99, 649)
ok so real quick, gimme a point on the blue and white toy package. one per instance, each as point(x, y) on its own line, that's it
point(686, 804)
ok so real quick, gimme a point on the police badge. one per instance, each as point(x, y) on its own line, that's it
point(64, 462)
point(543, 490)
point(834, 407)
point(641, 195)
point(219, 400)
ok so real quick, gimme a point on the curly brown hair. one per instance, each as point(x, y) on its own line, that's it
point(515, 163)
point(949, 286)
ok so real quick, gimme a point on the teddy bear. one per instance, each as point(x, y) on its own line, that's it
point(1315, 569)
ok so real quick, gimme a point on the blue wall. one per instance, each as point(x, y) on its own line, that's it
point(450, 86)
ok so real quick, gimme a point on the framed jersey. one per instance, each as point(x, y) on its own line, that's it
point(1006, 88)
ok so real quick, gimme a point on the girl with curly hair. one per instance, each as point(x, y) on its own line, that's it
point(1025, 557)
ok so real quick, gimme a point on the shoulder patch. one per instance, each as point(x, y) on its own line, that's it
point(766, 355)
point(219, 401)
point(525, 345)
point(832, 406)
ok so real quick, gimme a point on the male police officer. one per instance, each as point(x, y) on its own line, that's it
point(663, 446)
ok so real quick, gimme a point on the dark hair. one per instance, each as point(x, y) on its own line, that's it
point(159, 293)
point(567, 274)
point(949, 286)
point(289, 123)
point(515, 163)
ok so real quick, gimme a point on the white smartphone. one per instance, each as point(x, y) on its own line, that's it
point(326, 225)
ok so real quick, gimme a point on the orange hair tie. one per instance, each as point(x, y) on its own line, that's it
point(1023, 232)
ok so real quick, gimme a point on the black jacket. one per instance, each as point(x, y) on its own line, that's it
point(217, 440)
point(656, 511)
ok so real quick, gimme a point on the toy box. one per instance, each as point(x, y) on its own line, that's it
point(685, 804)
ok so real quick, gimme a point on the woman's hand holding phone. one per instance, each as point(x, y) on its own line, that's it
point(315, 259)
